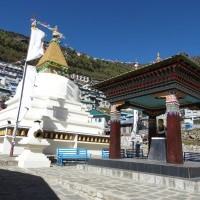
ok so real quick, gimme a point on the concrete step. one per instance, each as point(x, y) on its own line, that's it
point(190, 185)
point(6, 160)
point(81, 185)
point(93, 186)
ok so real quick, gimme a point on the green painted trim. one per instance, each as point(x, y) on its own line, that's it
point(64, 71)
point(51, 64)
point(43, 67)
point(55, 64)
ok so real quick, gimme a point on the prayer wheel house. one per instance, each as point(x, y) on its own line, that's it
point(158, 88)
point(55, 102)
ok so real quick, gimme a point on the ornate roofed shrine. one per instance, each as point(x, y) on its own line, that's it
point(159, 87)
point(142, 88)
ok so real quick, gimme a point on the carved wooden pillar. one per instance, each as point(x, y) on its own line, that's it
point(174, 142)
point(115, 133)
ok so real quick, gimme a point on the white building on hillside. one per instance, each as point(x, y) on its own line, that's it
point(92, 98)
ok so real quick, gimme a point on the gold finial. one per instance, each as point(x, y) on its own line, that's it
point(158, 59)
point(136, 65)
point(55, 34)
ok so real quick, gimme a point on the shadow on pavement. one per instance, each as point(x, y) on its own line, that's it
point(16, 185)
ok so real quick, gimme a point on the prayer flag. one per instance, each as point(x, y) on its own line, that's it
point(35, 49)
point(135, 121)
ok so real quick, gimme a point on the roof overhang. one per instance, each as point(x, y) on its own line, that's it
point(144, 88)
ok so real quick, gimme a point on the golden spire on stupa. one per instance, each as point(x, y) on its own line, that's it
point(158, 58)
point(53, 60)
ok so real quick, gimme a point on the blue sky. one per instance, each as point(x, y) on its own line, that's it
point(123, 30)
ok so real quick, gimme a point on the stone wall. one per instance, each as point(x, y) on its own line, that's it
point(191, 134)
point(191, 140)
point(192, 137)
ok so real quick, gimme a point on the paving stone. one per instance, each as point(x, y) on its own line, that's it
point(70, 182)
point(194, 198)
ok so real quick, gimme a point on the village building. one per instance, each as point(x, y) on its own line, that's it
point(92, 99)
point(10, 76)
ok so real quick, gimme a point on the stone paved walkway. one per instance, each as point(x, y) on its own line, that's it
point(69, 182)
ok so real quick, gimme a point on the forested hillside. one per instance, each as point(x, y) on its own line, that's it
point(13, 47)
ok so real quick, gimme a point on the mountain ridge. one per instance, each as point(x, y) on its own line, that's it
point(13, 47)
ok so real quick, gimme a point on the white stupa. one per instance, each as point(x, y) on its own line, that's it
point(55, 102)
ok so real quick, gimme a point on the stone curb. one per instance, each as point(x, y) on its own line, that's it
point(166, 181)
point(82, 190)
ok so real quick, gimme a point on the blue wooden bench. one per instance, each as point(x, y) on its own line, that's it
point(66, 154)
point(133, 153)
point(105, 153)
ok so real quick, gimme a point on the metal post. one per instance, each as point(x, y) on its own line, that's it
point(18, 113)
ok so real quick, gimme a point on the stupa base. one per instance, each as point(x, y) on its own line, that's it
point(29, 159)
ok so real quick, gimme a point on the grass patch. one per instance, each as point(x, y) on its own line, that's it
point(191, 142)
